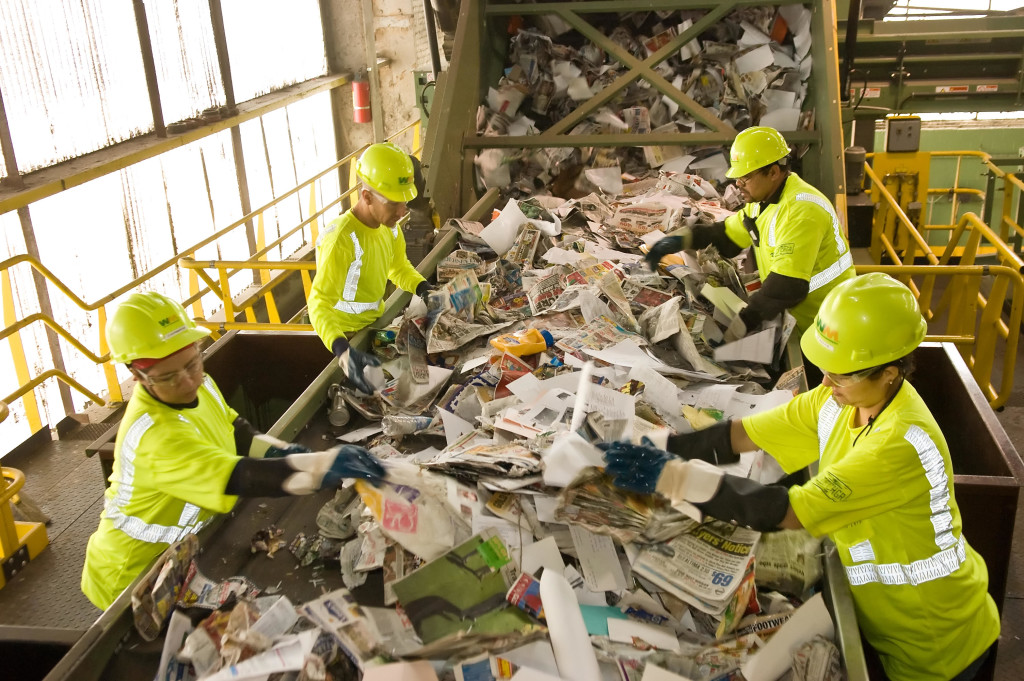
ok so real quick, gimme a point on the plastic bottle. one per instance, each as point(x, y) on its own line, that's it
point(525, 342)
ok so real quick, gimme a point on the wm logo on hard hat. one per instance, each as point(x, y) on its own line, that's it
point(167, 321)
point(826, 331)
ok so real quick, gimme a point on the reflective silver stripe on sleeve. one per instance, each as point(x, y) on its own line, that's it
point(771, 229)
point(829, 274)
point(327, 230)
point(935, 472)
point(827, 417)
point(126, 475)
point(394, 231)
point(936, 566)
point(355, 268)
point(845, 260)
point(133, 526)
point(355, 308)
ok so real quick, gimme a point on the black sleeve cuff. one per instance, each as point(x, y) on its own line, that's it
point(339, 346)
point(743, 501)
point(712, 444)
point(244, 433)
point(258, 478)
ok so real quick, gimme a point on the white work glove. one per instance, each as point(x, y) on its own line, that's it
point(685, 483)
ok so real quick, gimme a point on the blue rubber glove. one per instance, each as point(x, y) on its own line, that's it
point(351, 461)
point(354, 362)
point(635, 467)
point(277, 452)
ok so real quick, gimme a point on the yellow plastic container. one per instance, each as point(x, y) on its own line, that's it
point(525, 342)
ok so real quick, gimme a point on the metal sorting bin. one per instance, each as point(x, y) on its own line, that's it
point(988, 472)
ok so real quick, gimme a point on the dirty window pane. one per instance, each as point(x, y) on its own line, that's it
point(186, 57)
point(272, 44)
point(71, 73)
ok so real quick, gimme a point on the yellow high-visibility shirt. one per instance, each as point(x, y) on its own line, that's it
point(170, 470)
point(884, 494)
point(353, 265)
point(800, 236)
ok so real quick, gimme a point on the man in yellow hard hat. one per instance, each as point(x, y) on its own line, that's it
point(182, 454)
point(883, 491)
point(799, 243)
point(358, 254)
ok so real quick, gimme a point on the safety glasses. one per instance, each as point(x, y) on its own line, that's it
point(174, 378)
point(846, 380)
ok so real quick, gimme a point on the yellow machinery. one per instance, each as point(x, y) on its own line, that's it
point(20, 541)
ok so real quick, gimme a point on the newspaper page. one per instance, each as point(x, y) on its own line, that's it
point(544, 293)
point(703, 566)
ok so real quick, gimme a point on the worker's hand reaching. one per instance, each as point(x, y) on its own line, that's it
point(634, 467)
point(423, 289)
point(351, 461)
point(361, 368)
point(273, 448)
point(668, 246)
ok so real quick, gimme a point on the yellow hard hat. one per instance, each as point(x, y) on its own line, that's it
point(864, 322)
point(150, 325)
point(389, 171)
point(755, 148)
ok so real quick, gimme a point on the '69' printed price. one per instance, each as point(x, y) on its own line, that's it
point(721, 578)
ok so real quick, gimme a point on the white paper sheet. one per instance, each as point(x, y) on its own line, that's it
point(782, 119)
point(624, 631)
point(569, 639)
point(608, 180)
point(811, 619)
point(599, 560)
point(758, 347)
point(360, 434)
point(454, 427)
point(756, 59)
point(542, 554)
point(567, 456)
point(655, 673)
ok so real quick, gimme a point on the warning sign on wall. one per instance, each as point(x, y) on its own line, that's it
point(946, 89)
point(987, 88)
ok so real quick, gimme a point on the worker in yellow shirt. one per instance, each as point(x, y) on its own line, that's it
point(883, 491)
point(799, 244)
point(358, 254)
point(182, 454)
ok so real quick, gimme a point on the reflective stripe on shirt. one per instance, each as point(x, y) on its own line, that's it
point(845, 260)
point(826, 422)
point(136, 527)
point(936, 566)
point(354, 270)
point(951, 553)
point(935, 471)
point(355, 308)
point(830, 273)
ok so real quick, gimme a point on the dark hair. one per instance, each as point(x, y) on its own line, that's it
point(905, 365)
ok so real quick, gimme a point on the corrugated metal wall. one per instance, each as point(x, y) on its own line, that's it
point(72, 79)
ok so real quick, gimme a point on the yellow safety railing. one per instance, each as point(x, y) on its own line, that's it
point(974, 317)
point(13, 326)
point(906, 176)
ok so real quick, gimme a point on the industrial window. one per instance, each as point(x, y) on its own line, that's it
point(272, 44)
point(71, 73)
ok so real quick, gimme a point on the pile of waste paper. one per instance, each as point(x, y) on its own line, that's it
point(751, 67)
point(500, 543)
point(497, 548)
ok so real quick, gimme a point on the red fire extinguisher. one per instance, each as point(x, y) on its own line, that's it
point(360, 100)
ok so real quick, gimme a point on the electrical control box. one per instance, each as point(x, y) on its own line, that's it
point(902, 133)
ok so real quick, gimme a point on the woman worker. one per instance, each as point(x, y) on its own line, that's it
point(883, 492)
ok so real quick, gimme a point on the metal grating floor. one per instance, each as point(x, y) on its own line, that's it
point(68, 486)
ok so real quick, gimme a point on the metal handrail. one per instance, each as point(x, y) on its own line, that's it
point(976, 337)
point(13, 328)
